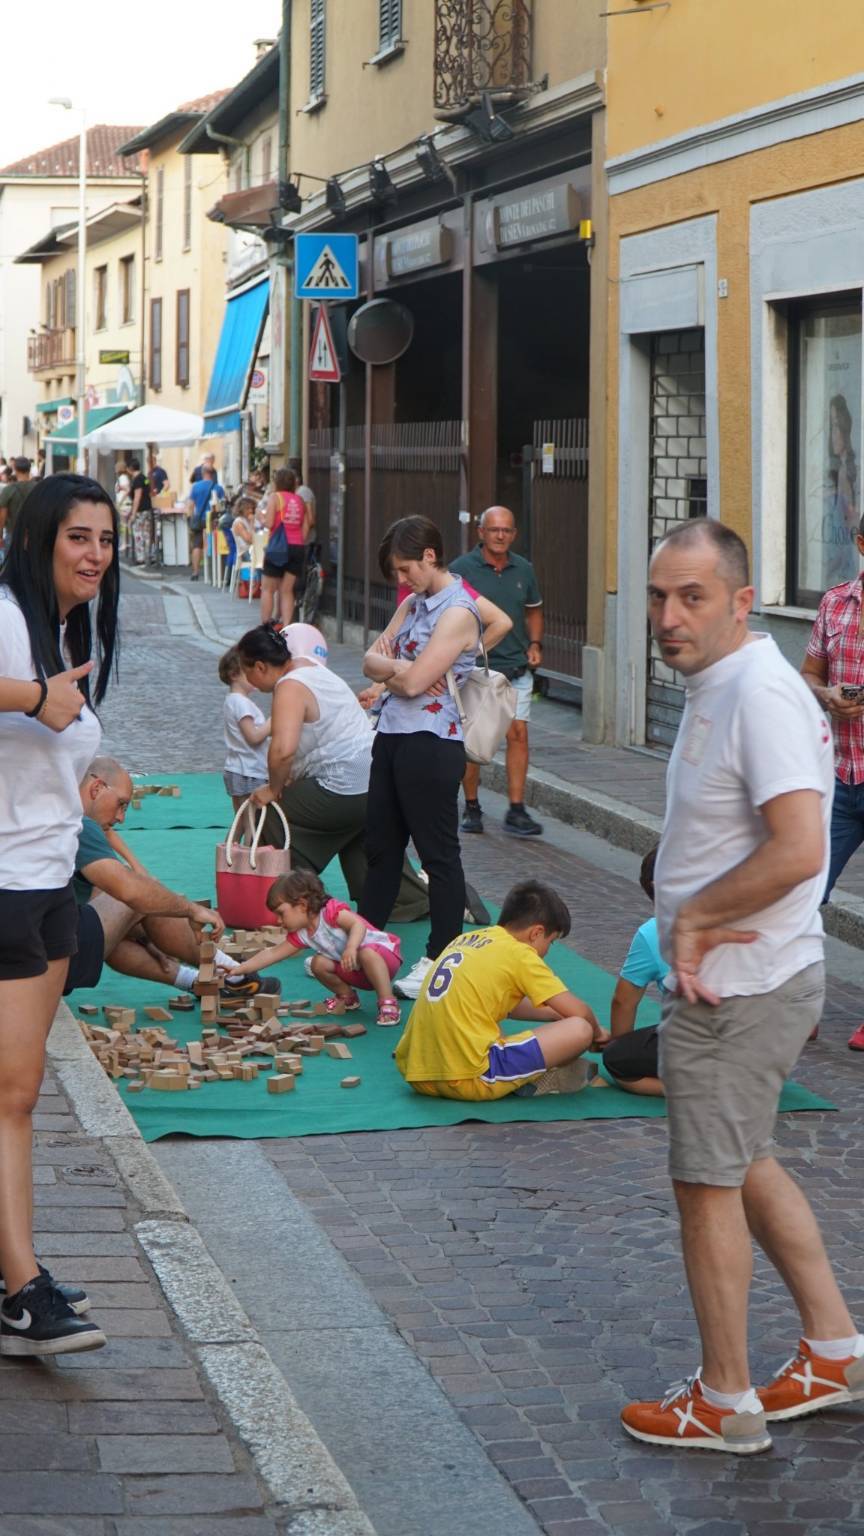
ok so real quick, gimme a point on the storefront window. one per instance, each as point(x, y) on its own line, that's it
point(825, 447)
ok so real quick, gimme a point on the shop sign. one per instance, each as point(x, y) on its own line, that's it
point(548, 459)
point(65, 414)
point(111, 356)
point(412, 250)
point(532, 214)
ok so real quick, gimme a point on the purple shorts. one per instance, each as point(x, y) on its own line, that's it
point(521, 1058)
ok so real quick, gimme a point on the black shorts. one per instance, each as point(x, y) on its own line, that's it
point(632, 1056)
point(295, 565)
point(196, 538)
point(85, 967)
point(35, 927)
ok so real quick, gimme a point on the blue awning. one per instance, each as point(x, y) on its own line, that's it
point(242, 327)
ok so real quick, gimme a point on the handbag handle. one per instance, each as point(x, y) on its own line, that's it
point(454, 689)
point(246, 807)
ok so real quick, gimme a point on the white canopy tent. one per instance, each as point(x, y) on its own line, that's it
point(147, 424)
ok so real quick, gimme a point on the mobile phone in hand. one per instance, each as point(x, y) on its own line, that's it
point(852, 693)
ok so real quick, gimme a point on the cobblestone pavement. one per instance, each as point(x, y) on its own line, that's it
point(127, 1440)
point(536, 1268)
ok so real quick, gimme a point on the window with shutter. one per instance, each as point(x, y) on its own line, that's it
point(155, 343)
point(317, 30)
point(70, 279)
point(187, 202)
point(181, 372)
point(389, 23)
point(159, 213)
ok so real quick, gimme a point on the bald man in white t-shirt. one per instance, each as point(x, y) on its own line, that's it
point(738, 883)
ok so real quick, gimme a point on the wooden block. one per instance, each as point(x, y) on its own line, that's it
point(337, 1050)
point(89, 1009)
point(195, 1052)
point(599, 1082)
point(209, 1006)
point(248, 1072)
point(170, 791)
point(194, 1082)
point(329, 1031)
point(167, 1082)
point(158, 1014)
point(226, 1074)
point(137, 1087)
point(283, 1083)
point(209, 1076)
point(207, 949)
point(205, 988)
point(350, 1082)
point(181, 1004)
point(352, 1031)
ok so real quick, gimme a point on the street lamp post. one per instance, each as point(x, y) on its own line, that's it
point(80, 280)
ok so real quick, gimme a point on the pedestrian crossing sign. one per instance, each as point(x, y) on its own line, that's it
point(326, 266)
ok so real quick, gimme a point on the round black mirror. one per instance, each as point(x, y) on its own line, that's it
point(380, 331)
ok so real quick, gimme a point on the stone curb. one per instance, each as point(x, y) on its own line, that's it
point(289, 1455)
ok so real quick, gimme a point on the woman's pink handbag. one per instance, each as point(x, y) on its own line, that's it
point(244, 875)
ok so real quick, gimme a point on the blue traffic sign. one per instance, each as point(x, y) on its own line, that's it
point(326, 266)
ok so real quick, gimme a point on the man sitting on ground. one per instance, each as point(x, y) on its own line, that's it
point(453, 1047)
point(140, 926)
point(631, 1056)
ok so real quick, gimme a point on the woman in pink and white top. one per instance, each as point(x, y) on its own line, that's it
point(349, 952)
point(288, 519)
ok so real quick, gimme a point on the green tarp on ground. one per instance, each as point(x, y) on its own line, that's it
point(180, 852)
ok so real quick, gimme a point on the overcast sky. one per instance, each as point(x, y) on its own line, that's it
point(127, 64)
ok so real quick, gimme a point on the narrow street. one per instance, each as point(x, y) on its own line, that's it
point(463, 1311)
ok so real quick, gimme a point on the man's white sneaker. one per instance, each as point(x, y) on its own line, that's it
point(412, 984)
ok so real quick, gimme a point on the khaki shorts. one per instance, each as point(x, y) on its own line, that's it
point(723, 1070)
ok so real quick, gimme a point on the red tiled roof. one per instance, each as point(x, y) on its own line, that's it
point(62, 159)
point(203, 103)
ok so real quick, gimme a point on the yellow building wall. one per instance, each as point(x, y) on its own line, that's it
point(699, 60)
point(375, 110)
point(116, 335)
point(201, 269)
point(729, 190)
point(60, 382)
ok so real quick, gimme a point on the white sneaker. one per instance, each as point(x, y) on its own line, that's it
point(412, 984)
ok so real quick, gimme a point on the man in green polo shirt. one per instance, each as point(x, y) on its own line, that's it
point(509, 581)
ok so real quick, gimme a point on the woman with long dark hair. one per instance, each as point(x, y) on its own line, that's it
point(62, 558)
point(418, 759)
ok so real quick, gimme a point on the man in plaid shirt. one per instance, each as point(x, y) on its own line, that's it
point(835, 656)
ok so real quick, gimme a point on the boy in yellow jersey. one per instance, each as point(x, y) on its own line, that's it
point(453, 1047)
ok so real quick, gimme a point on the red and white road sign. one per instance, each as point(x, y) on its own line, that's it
point(323, 362)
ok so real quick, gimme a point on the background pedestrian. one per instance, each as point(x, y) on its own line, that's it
point(509, 581)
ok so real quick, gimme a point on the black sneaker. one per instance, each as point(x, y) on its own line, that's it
point(252, 986)
point(38, 1321)
point(472, 818)
point(77, 1299)
point(519, 824)
point(475, 908)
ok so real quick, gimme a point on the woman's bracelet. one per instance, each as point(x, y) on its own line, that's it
point(35, 712)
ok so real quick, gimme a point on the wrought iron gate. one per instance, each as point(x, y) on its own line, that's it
point(556, 537)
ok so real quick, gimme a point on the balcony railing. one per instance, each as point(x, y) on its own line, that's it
point(50, 349)
point(481, 46)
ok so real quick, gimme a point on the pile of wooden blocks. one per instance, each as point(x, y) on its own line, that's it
point(150, 1058)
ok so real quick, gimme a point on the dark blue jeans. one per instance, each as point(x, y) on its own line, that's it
point(847, 829)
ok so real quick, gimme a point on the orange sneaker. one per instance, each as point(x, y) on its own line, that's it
point(685, 1420)
point(809, 1382)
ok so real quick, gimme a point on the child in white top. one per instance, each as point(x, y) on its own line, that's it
point(246, 732)
point(349, 952)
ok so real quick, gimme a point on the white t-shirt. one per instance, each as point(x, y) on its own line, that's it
point(752, 730)
point(335, 750)
point(251, 762)
point(40, 771)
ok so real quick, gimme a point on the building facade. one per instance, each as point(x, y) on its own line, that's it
point(37, 194)
point(183, 271)
point(464, 145)
point(113, 330)
point(238, 141)
point(736, 266)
